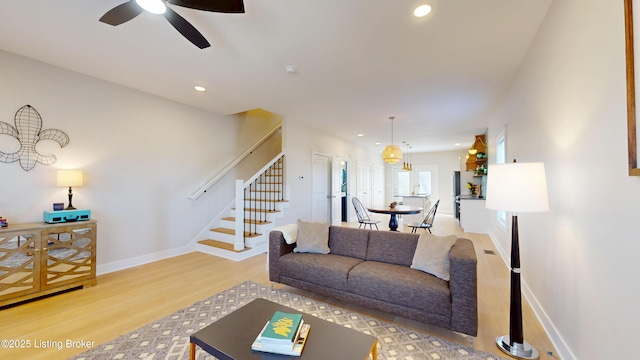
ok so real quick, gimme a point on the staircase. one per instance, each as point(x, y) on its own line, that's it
point(245, 233)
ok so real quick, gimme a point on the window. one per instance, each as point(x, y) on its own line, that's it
point(404, 183)
point(501, 158)
point(424, 179)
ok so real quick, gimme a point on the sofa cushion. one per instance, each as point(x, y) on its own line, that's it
point(313, 237)
point(327, 270)
point(401, 285)
point(348, 241)
point(432, 254)
point(392, 247)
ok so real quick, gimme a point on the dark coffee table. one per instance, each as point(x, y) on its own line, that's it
point(230, 337)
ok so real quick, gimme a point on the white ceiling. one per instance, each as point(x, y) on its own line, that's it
point(358, 61)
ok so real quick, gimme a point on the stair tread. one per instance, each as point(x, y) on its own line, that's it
point(233, 232)
point(221, 245)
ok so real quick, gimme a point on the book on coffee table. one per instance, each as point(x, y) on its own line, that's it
point(283, 334)
point(282, 328)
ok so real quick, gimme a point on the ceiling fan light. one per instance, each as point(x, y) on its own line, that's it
point(153, 6)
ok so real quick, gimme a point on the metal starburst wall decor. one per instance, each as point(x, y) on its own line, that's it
point(28, 131)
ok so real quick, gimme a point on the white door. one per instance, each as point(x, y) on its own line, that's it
point(321, 188)
point(364, 179)
point(378, 186)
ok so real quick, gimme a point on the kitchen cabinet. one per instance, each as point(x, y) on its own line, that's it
point(474, 216)
point(422, 201)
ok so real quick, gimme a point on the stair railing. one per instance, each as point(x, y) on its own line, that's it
point(257, 197)
point(235, 162)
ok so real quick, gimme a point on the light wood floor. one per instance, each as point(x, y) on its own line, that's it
point(125, 300)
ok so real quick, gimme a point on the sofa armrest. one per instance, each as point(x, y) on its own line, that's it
point(463, 287)
point(277, 247)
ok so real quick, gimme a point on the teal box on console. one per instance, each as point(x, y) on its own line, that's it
point(62, 216)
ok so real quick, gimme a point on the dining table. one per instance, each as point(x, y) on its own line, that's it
point(394, 212)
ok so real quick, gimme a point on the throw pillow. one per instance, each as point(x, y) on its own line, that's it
point(432, 254)
point(313, 237)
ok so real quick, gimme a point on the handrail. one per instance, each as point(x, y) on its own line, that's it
point(213, 180)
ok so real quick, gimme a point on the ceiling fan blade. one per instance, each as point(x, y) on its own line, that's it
point(223, 6)
point(122, 13)
point(186, 29)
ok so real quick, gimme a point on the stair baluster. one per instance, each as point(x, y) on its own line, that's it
point(261, 196)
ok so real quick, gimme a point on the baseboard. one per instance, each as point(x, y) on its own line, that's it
point(562, 349)
point(232, 255)
point(141, 260)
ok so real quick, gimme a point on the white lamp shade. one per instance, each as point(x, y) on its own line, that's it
point(69, 178)
point(517, 187)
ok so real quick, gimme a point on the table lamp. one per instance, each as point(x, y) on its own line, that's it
point(516, 187)
point(69, 178)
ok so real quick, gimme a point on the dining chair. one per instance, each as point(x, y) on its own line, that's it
point(363, 215)
point(427, 222)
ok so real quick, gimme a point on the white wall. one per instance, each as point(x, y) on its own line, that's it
point(300, 141)
point(447, 162)
point(142, 156)
point(567, 108)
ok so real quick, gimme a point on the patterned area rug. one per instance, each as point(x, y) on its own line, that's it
point(168, 338)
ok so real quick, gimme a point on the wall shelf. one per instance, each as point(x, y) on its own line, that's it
point(481, 147)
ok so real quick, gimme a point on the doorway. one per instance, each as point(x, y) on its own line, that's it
point(339, 190)
point(321, 208)
point(344, 190)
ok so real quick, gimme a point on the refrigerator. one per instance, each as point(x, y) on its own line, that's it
point(455, 194)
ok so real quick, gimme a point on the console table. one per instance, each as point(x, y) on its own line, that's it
point(38, 259)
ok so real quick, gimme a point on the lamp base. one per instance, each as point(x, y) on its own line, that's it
point(520, 351)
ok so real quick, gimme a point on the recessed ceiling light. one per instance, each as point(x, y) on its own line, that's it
point(199, 88)
point(457, 144)
point(290, 69)
point(360, 135)
point(377, 143)
point(422, 10)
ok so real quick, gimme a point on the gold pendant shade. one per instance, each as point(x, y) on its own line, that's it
point(392, 153)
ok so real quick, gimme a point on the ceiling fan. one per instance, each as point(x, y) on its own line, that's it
point(132, 8)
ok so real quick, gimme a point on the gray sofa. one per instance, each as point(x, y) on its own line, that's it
point(372, 269)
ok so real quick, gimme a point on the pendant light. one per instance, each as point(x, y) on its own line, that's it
point(392, 153)
point(407, 166)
